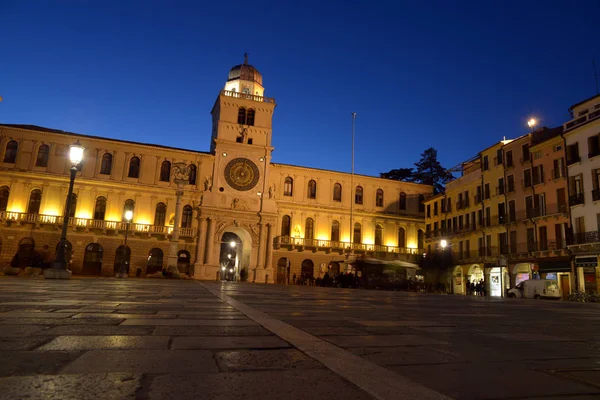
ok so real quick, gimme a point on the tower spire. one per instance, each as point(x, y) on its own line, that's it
point(246, 58)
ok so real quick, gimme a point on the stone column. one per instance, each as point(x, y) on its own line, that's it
point(269, 249)
point(180, 175)
point(199, 270)
point(210, 241)
point(260, 259)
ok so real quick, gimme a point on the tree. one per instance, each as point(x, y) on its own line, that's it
point(429, 171)
point(400, 174)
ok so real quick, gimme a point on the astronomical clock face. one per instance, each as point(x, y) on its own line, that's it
point(241, 174)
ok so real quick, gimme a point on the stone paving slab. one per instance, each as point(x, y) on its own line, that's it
point(71, 387)
point(231, 342)
point(255, 330)
point(33, 314)
point(252, 360)
point(60, 321)
point(20, 330)
point(288, 385)
point(23, 343)
point(33, 363)
point(194, 322)
point(382, 341)
point(86, 330)
point(106, 342)
point(143, 361)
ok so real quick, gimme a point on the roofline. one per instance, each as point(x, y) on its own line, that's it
point(582, 101)
point(42, 129)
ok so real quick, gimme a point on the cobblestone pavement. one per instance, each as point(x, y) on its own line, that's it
point(166, 339)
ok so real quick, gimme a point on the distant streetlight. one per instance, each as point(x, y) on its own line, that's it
point(123, 270)
point(531, 123)
point(232, 244)
point(444, 244)
point(59, 267)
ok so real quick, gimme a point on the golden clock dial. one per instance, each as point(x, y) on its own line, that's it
point(241, 174)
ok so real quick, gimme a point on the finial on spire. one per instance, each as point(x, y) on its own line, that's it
point(246, 58)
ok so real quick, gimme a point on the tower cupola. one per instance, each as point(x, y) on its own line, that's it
point(244, 78)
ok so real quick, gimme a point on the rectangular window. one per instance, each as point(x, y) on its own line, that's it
point(503, 243)
point(459, 202)
point(538, 174)
point(435, 229)
point(501, 213)
point(561, 200)
point(466, 198)
point(473, 220)
point(512, 211)
point(449, 205)
point(510, 183)
point(525, 152)
point(499, 157)
point(428, 210)
point(467, 222)
point(558, 235)
point(593, 146)
point(580, 225)
point(449, 225)
point(478, 196)
point(488, 216)
point(481, 248)
point(443, 226)
point(509, 158)
point(480, 217)
point(485, 163)
point(467, 248)
point(454, 223)
point(460, 249)
point(559, 168)
point(529, 208)
point(540, 204)
point(530, 240)
point(460, 222)
point(596, 184)
point(572, 153)
point(443, 206)
point(527, 178)
point(513, 242)
point(488, 245)
point(487, 191)
point(543, 238)
point(500, 189)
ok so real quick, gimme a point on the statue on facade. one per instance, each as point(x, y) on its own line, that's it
point(208, 183)
point(272, 191)
point(181, 172)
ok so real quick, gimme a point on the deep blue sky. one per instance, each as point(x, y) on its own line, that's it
point(454, 75)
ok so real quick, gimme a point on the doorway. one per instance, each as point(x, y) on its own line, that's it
point(565, 287)
point(282, 270)
point(183, 262)
point(122, 257)
point(92, 259)
point(155, 261)
point(229, 259)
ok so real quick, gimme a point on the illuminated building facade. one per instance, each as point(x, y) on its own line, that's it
point(239, 210)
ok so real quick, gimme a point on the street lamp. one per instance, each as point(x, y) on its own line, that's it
point(59, 266)
point(444, 244)
point(531, 123)
point(123, 270)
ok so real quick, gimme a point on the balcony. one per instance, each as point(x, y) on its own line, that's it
point(247, 96)
point(594, 152)
point(92, 224)
point(596, 194)
point(586, 237)
point(329, 245)
point(576, 199)
point(595, 113)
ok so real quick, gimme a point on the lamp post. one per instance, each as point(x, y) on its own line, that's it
point(531, 124)
point(123, 270)
point(59, 266)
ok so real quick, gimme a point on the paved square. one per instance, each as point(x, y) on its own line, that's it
point(158, 338)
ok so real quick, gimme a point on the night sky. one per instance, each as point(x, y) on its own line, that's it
point(457, 76)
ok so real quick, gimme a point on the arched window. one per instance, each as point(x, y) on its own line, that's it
point(128, 206)
point(250, 117)
point(312, 189)
point(421, 204)
point(134, 167)
point(335, 231)
point(379, 198)
point(73, 206)
point(42, 156)
point(165, 171)
point(357, 236)
point(420, 239)
point(358, 196)
point(4, 193)
point(286, 225)
point(288, 186)
point(92, 259)
point(309, 229)
point(106, 165)
point(403, 201)
point(160, 214)
point(10, 156)
point(242, 116)
point(337, 192)
point(100, 208)
point(401, 237)
point(192, 177)
point(35, 199)
point(379, 235)
point(186, 217)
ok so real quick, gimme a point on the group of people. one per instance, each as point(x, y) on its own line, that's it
point(341, 279)
point(476, 288)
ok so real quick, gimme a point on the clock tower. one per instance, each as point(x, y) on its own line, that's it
point(241, 134)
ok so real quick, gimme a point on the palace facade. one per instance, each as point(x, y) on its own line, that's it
point(237, 209)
